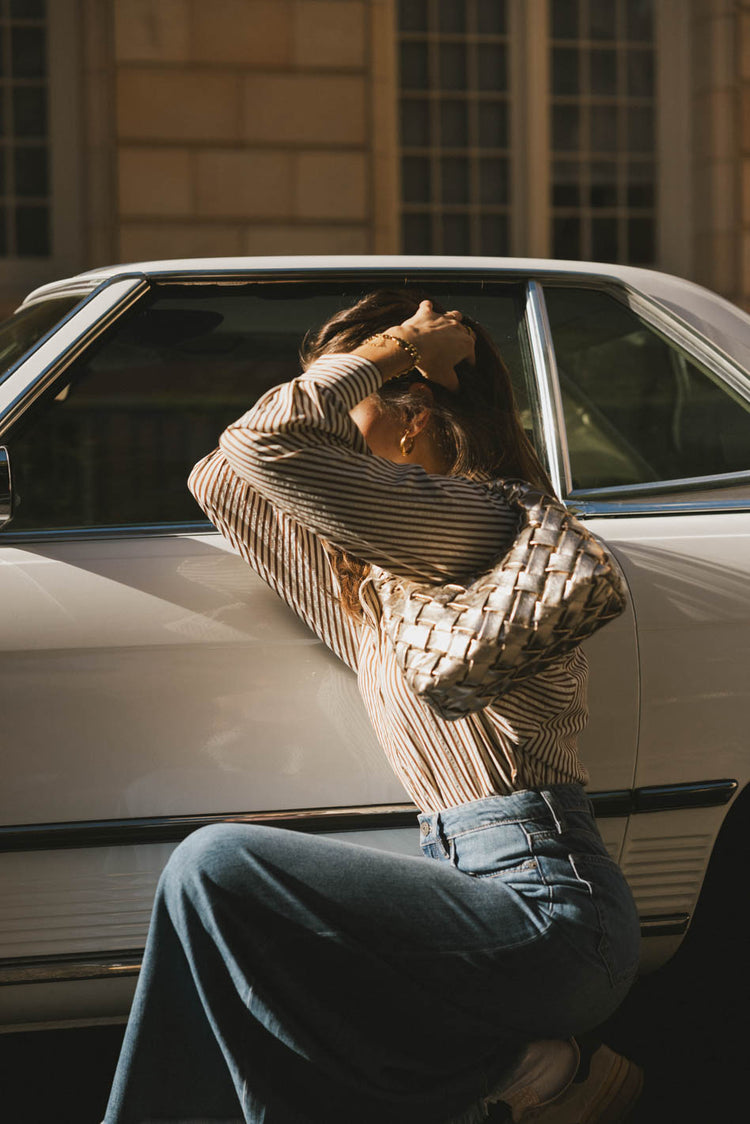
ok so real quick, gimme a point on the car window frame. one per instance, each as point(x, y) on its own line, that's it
point(119, 293)
point(678, 495)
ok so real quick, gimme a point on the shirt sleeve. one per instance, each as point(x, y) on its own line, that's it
point(289, 557)
point(299, 448)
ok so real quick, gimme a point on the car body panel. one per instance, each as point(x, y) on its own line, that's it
point(148, 674)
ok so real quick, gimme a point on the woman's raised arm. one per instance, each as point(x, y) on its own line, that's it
point(300, 449)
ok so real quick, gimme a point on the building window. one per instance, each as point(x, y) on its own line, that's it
point(454, 121)
point(25, 211)
point(537, 111)
point(602, 143)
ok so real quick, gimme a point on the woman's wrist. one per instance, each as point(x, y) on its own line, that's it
point(392, 352)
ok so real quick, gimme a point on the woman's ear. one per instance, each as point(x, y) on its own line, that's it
point(423, 401)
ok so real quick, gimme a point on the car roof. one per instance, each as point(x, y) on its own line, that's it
point(707, 312)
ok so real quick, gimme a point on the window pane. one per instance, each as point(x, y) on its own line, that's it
point(493, 124)
point(30, 111)
point(452, 15)
point(115, 442)
point(28, 52)
point(415, 177)
point(603, 72)
point(566, 237)
point(31, 171)
point(32, 231)
point(27, 9)
point(640, 130)
point(564, 15)
point(603, 190)
point(456, 234)
point(493, 181)
point(416, 234)
point(639, 20)
point(412, 15)
point(603, 128)
point(641, 244)
point(454, 126)
point(27, 326)
point(492, 67)
point(602, 19)
point(452, 66)
point(637, 408)
point(604, 239)
point(490, 16)
point(414, 66)
point(566, 191)
point(641, 185)
point(455, 177)
point(566, 128)
point(565, 71)
point(494, 235)
point(640, 74)
point(415, 123)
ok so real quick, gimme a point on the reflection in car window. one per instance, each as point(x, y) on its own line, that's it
point(114, 443)
point(637, 408)
point(27, 326)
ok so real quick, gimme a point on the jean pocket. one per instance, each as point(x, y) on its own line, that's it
point(619, 936)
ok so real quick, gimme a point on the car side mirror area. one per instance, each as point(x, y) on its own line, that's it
point(6, 488)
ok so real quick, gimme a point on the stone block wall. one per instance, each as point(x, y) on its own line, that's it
point(243, 127)
point(715, 145)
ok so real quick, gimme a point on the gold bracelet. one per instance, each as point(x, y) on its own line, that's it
point(416, 358)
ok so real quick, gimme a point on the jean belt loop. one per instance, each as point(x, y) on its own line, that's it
point(445, 841)
point(549, 800)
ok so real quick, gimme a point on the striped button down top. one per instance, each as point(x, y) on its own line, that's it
point(293, 474)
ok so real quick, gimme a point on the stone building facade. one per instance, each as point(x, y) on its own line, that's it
point(178, 128)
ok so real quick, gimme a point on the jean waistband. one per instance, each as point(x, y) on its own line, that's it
point(550, 806)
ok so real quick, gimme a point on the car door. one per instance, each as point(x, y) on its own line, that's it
point(658, 448)
point(150, 681)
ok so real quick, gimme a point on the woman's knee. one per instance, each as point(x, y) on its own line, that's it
point(209, 855)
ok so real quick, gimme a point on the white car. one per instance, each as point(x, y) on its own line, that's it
point(151, 683)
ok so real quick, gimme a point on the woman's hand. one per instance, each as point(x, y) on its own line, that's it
point(442, 341)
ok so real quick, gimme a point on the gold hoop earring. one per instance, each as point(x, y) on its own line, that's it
point(406, 444)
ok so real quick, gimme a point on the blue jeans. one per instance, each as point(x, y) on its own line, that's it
point(291, 979)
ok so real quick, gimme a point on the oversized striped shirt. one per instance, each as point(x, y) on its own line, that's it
point(295, 474)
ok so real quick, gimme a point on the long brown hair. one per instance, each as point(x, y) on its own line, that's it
point(477, 429)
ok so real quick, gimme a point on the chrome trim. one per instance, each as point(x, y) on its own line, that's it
point(74, 311)
point(698, 794)
point(76, 966)
point(586, 509)
point(116, 297)
point(706, 351)
point(172, 829)
point(548, 388)
point(658, 314)
point(659, 487)
point(364, 817)
point(665, 925)
point(115, 531)
point(6, 487)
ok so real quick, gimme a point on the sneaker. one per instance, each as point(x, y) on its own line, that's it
point(604, 1090)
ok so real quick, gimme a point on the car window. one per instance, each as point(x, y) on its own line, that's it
point(637, 408)
point(27, 326)
point(113, 443)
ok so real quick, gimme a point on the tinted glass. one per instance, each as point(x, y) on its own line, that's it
point(114, 442)
point(27, 326)
point(637, 408)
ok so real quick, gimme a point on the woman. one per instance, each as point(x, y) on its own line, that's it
point(291, 978)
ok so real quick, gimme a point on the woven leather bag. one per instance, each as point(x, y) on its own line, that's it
point(462, 646)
